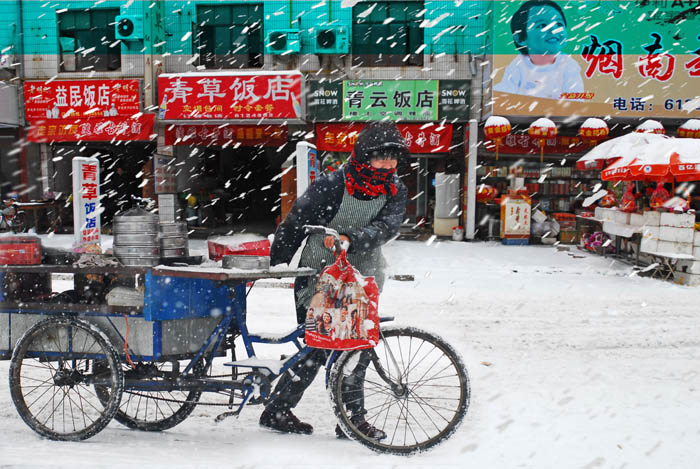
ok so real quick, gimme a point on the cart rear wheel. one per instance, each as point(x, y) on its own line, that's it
point(152, 411)
point(413, 387)
point(52, 374)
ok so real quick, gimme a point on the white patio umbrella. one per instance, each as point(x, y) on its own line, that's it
point(628, 145)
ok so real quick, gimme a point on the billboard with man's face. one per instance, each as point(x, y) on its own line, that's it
point(597, 58)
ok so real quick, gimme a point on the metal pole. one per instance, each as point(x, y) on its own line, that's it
point(470, 216)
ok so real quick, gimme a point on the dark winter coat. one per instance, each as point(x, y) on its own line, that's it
point(319, 205)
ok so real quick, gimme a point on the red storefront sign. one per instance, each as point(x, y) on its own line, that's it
point(95, 130)
point(524, 144)
point(230, 95)
point(225, 135)
point(67, 99)
point(421, 138)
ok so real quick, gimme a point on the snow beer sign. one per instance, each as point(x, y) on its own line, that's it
point(230, 95)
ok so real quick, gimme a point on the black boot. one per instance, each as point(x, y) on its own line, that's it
point(284, 421)
point(364, 426)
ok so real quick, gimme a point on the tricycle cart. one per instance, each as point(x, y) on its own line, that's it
point(76, 365)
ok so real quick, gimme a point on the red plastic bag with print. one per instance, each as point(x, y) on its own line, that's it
point(628, 202)
point(659, 197)
point(343, 312)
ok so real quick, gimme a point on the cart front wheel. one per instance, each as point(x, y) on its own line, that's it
point(53, 374)
point(413, 388)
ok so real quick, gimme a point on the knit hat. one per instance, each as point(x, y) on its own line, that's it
point(380, 140)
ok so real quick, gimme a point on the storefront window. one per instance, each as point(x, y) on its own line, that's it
point(230, 36)
point(388, 35)
point(85, 38)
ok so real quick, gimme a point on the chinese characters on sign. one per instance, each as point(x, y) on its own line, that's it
point(164, 174)
point(600, 65)
point(102, 129)
point(69, 99)
point(86, 202)
point(232, 95)
point(225, 135)
point(515, 216)
point(396, 100)
point(518, 144)
point(420, 138)
point(402, 100)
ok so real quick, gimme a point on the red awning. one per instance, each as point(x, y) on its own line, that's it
point(225, 135)
point(421, 138)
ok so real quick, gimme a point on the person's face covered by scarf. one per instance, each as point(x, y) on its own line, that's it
point(373, 163)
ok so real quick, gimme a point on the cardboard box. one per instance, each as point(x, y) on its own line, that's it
point(649, 245)
point(622, 218)
point(651, 232)
point(652, 218)
point(684, 278)
point(602, 213)
point(677, 235)
point(675, 248)
point(568, 237)
point(636, 219)
point(691, 267)
point(680, 220)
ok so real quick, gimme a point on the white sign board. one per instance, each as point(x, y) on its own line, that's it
point(164, 174)
point(86, 202)
point(515, 217)
point(308, 166)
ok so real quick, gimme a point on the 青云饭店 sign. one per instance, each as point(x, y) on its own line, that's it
point(421, 138)
point(395, 100)
point(230, 95)
point(68, 99)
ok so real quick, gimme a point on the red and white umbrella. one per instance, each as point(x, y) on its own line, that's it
point(605, 153)
point(689, 129)
point(650, 126)
point(665, 160)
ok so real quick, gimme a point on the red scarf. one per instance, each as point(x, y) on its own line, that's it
point(368, 180)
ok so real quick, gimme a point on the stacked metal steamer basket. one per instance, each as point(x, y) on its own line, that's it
point(173, 233)
point(136, 238)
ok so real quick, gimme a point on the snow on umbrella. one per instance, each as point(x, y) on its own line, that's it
point(650, 126)
point(542, 129)
point(593, 130)
point(619, 147)
point(497, 128)
point(690, 129)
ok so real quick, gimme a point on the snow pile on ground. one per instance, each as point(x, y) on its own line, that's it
point(574, 362)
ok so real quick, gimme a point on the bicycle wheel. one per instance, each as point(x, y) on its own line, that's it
point(152, 411)
point(413, 386)
point(19, 222)
point(52, 373)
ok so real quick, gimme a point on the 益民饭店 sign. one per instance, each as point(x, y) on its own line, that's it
point(230, 95)
point(560, 59)
point(69, 99)
point(420, 138)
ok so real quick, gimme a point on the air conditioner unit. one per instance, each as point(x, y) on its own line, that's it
point(7, 60)
point(331, 40)
point(282, 41)
point(129, 27)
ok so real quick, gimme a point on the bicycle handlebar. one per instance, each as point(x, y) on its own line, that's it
point(322, 230)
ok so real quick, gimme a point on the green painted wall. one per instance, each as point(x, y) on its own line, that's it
point(451, 26)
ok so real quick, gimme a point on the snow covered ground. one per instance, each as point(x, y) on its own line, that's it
point(574, 363)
